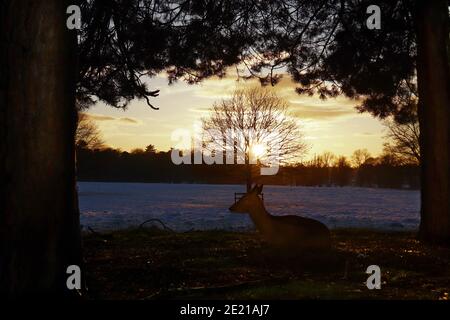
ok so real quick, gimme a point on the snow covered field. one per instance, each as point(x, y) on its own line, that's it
point(182, 207)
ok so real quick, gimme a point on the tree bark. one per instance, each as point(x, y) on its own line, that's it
point(39, 217)
point(433, 75)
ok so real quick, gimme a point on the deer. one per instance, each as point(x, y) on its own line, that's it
point(289, 232)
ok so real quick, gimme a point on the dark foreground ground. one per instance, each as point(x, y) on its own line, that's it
point(152, 264)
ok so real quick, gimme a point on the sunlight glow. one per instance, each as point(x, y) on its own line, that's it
point(258, 150)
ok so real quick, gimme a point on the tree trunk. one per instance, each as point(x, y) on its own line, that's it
point(434, 116)
point(248, 178)
point(39, 218)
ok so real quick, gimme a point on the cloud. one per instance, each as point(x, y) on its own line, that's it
point(302, 106)
point(220, 88)
point(129, 120)
point(322, 113)
point(101, 117)
point(367, 134)
point(200, 109)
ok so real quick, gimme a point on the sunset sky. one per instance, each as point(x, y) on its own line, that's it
point(331, 125)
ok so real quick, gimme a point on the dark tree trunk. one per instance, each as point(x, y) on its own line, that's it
point(434, 117)
point(248, 178)
point(39, 218)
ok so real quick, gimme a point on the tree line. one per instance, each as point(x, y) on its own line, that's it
point(150, 165)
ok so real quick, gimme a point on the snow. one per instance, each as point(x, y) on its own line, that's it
point(182, 207)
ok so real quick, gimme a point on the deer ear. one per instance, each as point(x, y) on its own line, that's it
point(259, 188)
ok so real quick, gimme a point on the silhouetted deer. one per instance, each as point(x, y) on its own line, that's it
point(283, 231)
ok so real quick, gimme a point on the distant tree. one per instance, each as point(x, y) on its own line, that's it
point(359, 157)
point(88, 135)
point(342, 171)
point(261, 126)
point(322, 167)
point(150, 149)
point(137, 151)
point(328, 158)
point(403, 140)
point(387, 173)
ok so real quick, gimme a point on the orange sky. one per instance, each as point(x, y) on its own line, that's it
point(331, 125)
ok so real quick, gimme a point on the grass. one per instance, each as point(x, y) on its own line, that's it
point(152, 264)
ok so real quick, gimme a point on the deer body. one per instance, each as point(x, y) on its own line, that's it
point(283, 231)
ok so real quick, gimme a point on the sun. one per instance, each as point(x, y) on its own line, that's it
point(258, 150)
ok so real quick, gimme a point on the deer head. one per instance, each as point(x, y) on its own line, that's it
point(247, 202)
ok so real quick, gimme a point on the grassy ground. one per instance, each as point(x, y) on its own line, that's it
point(151, 264)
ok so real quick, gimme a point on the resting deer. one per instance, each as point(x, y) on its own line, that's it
point(283, 231)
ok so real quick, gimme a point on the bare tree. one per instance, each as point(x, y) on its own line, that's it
point(325, 160)
point(403, 140)
point(328, 158)
point(254, 128)
point(88, 135)
point(359, 157)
